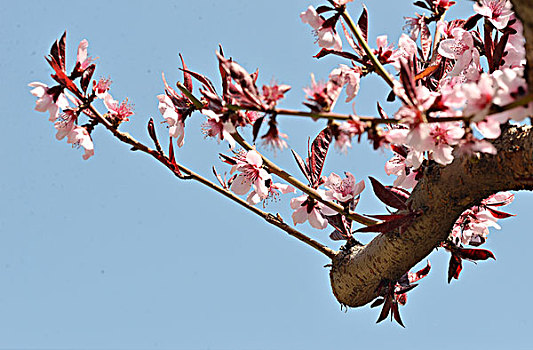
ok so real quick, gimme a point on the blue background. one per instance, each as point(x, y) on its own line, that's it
point(115, 253)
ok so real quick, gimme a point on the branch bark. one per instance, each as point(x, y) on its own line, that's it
point(442, 194)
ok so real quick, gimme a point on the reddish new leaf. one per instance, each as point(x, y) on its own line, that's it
point(86, 77)
point(382, 112)
point(317, 156)
point(408, 80)
point(324, 52)
point(396, 314)
point(425, 41)
point(257, 127)
point(475, 254)
point(386, 309)
point(62, 78)
point(301, 165)
point(187, 80)
point(499, 214)
point(202, 79)
point(413, 277)
point(362, 23)
point(454, 267)
point(323, 9)
point(499, 51)
point(422, 4)
point(151, 131)
point(57, 51)
point(472, 21)
point(387, 196)
point(351, 41)
point(377, 302)
point(427, 72)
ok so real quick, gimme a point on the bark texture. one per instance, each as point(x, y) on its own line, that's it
point(442, 195)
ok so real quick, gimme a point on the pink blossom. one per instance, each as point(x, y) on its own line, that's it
point(80, 137)
point(307, 209)
point(515, 50)
point(273, 93)
point(274, 191)
point(497, 11)
point(343, 190)
point(406, 50)
point(345, 131)
point(322, 96)
point(461, 49)
point(398, 166)
point(215, 127)
point(413, 25)
point(251, 174)
point(327, 37)
point(273, 139)
point(119, 111)
point(509, 86)
point(101, 88)
point(478, 97)
point(48, 99)
point(443, 137)
point(82, 60)
point(344, 75)
point(175, 123)
point(470, 145)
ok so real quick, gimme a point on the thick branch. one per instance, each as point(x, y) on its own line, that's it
point(442, 194)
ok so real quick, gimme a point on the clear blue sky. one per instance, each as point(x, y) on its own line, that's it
point(115, 253)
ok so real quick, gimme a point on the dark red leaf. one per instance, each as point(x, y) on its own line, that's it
point(499, 50)
point(362, 23)
point(238, 74)
point(382, 112)
point(387, 196)
point(171, 155)
point(219, 178)
point(62, 78)
point(475, 254)
point(386, 309)
point(257, 127)
point(342, 226)
point(413, 277)
point(454, 267)
point(351, 41)
point(227, 159)
point(408, 81)
point(324, 52)
point(396, 314)
point(499, 214)
point(86, 77)
point(332, 21)
point(489, 47)
point(317, 156)
point(377, 302)
point(405, 289)
point(387, 217)
point(301, 165)
point(472, 21)
point(202, 79)
point(187, 80)
point(57, 51)
point(151, 130)
point(323, 8)
point(400, 192)
point(425, 41)
point(422, 5)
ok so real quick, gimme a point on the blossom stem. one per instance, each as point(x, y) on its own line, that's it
point(179, 170)
point(311, 192)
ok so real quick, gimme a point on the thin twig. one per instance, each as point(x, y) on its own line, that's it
point(274, 220)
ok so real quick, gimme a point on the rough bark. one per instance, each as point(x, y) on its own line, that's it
point(442, 195)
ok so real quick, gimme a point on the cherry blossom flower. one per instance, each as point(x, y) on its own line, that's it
point(322, 96)
point(461, 49)
point(118, 111)
point(80, 137)
point(82, 60)
point(215, 127)
point(470, 145)
point(101, 88)
point(406, 50)
point(345, 131)
point(406, 177)
point(172, 118)
point(344, 75)
point(384, 50)
point(251, 174)
point(515, 50)
point(327, 37)
point(273, 139)
point(498, 12)
point(472, 227)
point(273, 93)
point(341, 189)
point(308, 209)
point(48, 99)
point(274, 191)
point(413, 25)
point(443, 136)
